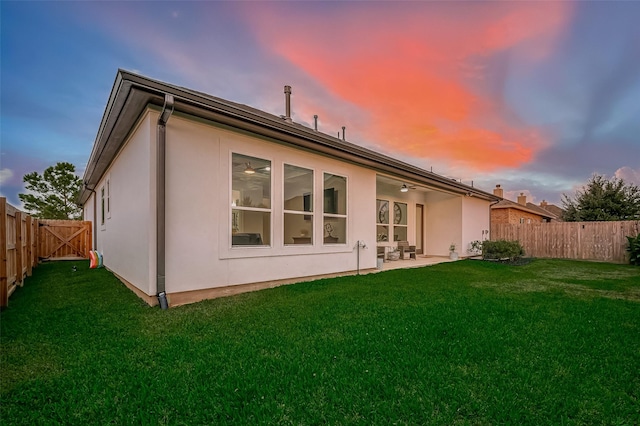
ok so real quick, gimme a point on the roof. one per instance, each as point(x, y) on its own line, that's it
point(132, 93)
point(529, 208)
point(554, 210)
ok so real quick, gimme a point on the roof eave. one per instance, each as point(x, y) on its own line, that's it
point(131, 93)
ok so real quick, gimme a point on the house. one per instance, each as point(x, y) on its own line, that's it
point(506, 211)
point(193, 197)
point(553, 209)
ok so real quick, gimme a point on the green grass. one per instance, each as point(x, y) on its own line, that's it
point(551, 342)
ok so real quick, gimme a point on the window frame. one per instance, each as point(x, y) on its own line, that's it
point(344, 216)
point(382, 227)
point(308, 215)
point(400, 225)
point(102, 207)
point(109, 197)
point(233, 207)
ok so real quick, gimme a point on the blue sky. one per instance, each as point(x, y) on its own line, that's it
point(535, 96)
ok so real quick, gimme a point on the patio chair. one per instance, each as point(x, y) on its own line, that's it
point(406, 251)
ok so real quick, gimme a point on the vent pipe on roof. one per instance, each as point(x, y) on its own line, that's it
point(343, 128)
point(287, 99)
point(315, 122)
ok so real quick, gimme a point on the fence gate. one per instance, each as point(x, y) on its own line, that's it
point(64, 239)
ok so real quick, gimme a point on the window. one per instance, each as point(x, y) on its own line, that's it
point(298, 205)
point(102, 216)
point(108, 199)
point(335, 209)
point(399, 222)
point(250, 201)
point(382, 220)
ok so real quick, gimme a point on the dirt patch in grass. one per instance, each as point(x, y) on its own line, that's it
point(532, 286)
point(515, 262)
point(580, 279)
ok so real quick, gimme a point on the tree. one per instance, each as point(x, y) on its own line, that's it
point(52, 194)
point(603, 199)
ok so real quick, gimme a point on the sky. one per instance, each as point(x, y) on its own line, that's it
point(534, 96)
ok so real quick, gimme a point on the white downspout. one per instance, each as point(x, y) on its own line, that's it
point(167, 110)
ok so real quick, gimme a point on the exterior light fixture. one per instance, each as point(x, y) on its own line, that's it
point(404, 188)
point(249, 170)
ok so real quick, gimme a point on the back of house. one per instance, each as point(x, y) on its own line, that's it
point(194, 197)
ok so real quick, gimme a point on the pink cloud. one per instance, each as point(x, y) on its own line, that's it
point(629, 175)
point(413, 66)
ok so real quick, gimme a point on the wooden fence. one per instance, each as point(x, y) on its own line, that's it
point(599, 241)
point(24, 241)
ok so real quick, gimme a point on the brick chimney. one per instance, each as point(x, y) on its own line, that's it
point(543, 203)
point(522, 199)
point(498, 192)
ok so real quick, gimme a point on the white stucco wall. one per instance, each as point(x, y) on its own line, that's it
point(443, 223)
point(475, 215)
point(454, 219)
point(198, 239)
point(127, 237)
point(87, 214)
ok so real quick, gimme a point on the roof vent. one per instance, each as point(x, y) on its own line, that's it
point(287, 100)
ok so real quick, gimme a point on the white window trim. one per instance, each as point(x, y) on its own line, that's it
point(102, 207)
point(344, 216)
point(108, 195)
point(395, 225)
point(312, 213)
point(233, 207)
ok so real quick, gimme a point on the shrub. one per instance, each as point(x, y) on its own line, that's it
point(502, 249)
point(634, 250)
point(475, 247)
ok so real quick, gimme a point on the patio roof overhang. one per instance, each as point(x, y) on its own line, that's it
point(132, 94)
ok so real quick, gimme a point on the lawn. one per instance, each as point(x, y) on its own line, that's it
point(469, 342)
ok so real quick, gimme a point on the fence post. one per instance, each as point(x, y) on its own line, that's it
point(29, 241)
point(19, 257)
point(34, 242)
point(4, 291)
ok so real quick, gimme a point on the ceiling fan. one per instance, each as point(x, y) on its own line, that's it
point(406, 188)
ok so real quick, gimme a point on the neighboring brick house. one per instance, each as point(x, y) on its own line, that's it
point(506, 211)
point(553, 209)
